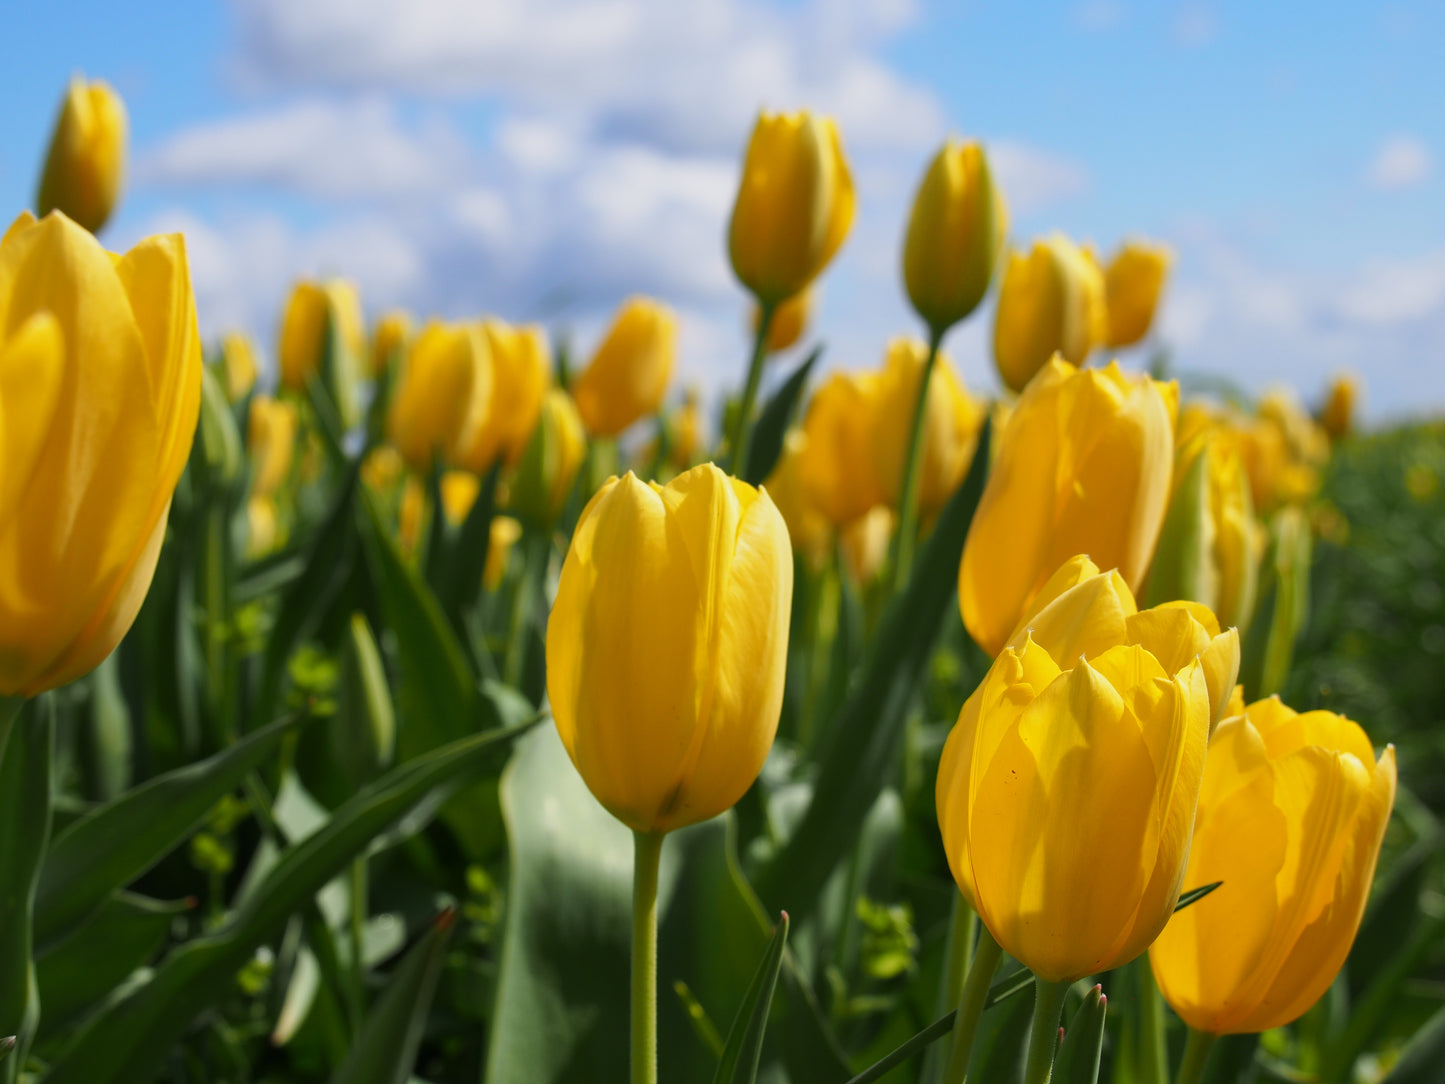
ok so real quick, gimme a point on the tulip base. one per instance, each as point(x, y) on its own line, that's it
point(1044, 1031)
point(647, 855)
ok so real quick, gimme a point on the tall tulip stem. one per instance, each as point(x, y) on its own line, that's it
point(740, 437)
point(647, 852)
point(962, 932)
point(1044, 1031)
point(10, 707)
point(1153, 1049)
point(970, 1006)
point(907, 537)
point(1196, 1054)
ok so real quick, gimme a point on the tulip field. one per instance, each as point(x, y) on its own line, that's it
point(455, 702)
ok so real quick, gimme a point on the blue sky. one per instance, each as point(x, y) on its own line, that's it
point(542, 159)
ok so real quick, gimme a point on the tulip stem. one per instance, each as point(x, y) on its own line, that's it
point(962, 932)
point(10, 708)
point(907, 537)
point(358, 936)
point(970, 1006)
point(738, 440)
point(647, 852)
point(1153, 1049)
point(1044, 1032)
point(1196, 1054)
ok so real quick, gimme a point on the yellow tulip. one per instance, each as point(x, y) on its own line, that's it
point(303, 338)
point(544, 478)
point(808, 528)
point(1338, 415)
point(836, 470)
point(503, 536)
point(100, 390)
point(667, 644)
point(1083, 466)
point(1132, 286)
point(271, 442)
point(382, 469)
point(685, 433)
point(388, 340)
point(790, 320)
point(238, 366)
point(520, 378)
point(794, 206)
point(955, 233)
point(459, 492)
point(865, 543)
point(442, 393)
point(629, 372)
point(1051, 302)
point(1291, 816)
point(411, 514)
point(262, 532)
point(951, 421)
point(1067, 788)
point(86, 161)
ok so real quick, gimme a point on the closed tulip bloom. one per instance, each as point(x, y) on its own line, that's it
point(667, 644)
point(86, 162)
point(1067, 788)
point(794, 207)
point(303, 332)
point(951, 421)
point(790, 320)
point(238, 366)
point(442, 395)
point(865, 543)
point(502, 537)
point(388, 340)
point(271, 442)
point(1051, 302)
point(808, 528)
point(629, 373)
point(1338, 415)
point(545, 476)
point(520, 378)
point(1083, 466)
point(1133, 284)
point(956, 231)
point(685, 433)
point(1291, 816)
point(100, 389)
point(836, 469)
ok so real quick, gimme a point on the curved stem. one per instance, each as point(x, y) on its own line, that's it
point(647, 852)
point(739, 438)
point(1196, 1054)
point(908, 489)
point(962, 931)
point(970, 1006)
point(1044, 1032)
point(1153, 1048)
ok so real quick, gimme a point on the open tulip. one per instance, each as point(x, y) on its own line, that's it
point(1133, 283)
point(520, 376)
point(667, 644)
point(628, 375)
point(1291, 816)
point(388, 340)
point(271, 442)
point(794, 206)
point(100, 388)
point(442, 395)
point(1083, 466)
point(310, 311)
point(1067, 788)
point(1051, 302)
point(836, 466)
point(955, 233)
point(544, 478)
point(86, 162)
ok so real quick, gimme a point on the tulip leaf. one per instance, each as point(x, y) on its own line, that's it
point(772, 424)
point(1006, 988)
point(1194, 895)
point(1083, 1045)
point(115, 843)
point(460, 583)
point(385, 1051)
point(916, 1045)
point(865, 740)
point(129, 1039)
point(1283, 606)
point(739, 1062)
point(1420, 1061)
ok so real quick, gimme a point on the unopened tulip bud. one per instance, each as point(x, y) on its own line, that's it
point(628, 375)
point(549, 466)
point(85, 166)
point(323, 336)
point(836, 466)
point(790, 320)
point(1051, 302)
point(1133, 285)
point(521, 375)
point(1338, 415)
point(442, 393)
point(388, 342)
point(238, 366)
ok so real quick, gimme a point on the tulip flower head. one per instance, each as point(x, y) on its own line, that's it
point(442, 395)
point(312, 309)
point(1051, 302)
point(629, 373)
point(544, 478)
point(388, 341)
point(238, 366)
point(1133, 284)
point(85, 165)
point(836, 467)
point(1338, 414)
point(271, 442)
point(521, 375)
point(667, 644)
point(790, 320)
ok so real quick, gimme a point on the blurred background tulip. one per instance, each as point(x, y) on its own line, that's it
point(630, 369)
point(85, 166)
point(1133, 285)
point(442, 395)
point(810, 531)
point(1337, 416)
point(521, 375)
point(544, 478)
point(790, 320)
point(271, 443)
point(685, 432)
point(388, 341)
point(1051, 302)
point(318, 315)
point(836, 466)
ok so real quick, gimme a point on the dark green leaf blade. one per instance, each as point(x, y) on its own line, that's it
point(739, 1063)
point(1194, 895)
point(772, 424)
point(1083, 1045)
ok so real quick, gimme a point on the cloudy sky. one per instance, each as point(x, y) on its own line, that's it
point(543, 159)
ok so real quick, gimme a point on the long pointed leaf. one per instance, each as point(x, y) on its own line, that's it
point(772, 423)
point(739, 1063)
point(1083, 1043)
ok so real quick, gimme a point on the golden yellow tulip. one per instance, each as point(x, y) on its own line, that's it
point(808, 528)
point(442, 393)
point(238, 366)
point(1338, 415)
point(790, 320)
point(685, 433)
point(667, 644)
point(836, 468)
point(1083, 466)
point(85, 165)
point(310, 309)
point(271, 442)
point(459, 492)
point(382, 469)
point(1291, 816)
point(955, 233)
point(951, 421)
point(1067, 788)
point(1051, 302)
point(388, 341)
point(794, 206)
point(865, 543)
point(1133, 284)
point(521, 375)
point(544, 478)
point(501, 538)
point(628, 375)
point(101, 365)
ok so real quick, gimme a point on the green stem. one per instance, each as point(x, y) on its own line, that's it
point(1196, 1053)
point(970, 1006)
point(647, 852)
point(358, 930)
point(907, 537)
point(534, 546)
point(962, 931)
point(1153, 1047)
point(737, 461)
point(10, 708)
point(1044, 1032)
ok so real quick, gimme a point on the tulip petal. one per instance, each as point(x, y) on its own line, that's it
point(32, 369)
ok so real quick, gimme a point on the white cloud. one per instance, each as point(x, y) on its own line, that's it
point(1396, 291)
point(1401, 162)
point(1033, 178)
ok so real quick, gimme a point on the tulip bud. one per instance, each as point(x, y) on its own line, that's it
point(685, 433)
point(1068, 785)
point(220, 440)
point(667, 644)
point(955, 233)
point(808, 529)
point(322, 336)
point(1338, 415)
point(1291, 816)
point(271, 443)
point(520, 378)
point(794, 206)
point(836, 468)
point(1083, 466)
point(238, 366)
point(442, 394)
point(951, 421)
point(459, 490)
point(388, 342)
point(86, 161)
point(100, 381)
point(501, 538)
point(1051, 302)
point(865, 543)
point(790, 320)
point(363, 728)
point(1132, 286)
point(628, 374)
point(549, 466)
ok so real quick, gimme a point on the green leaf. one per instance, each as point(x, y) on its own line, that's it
point(916, 1045)
point(864, 742)
point(1194, 895)
point(460, 584)
point(1009, 987)
point(115, 843)
point(130, 1038)
point(1083, 1045)
point(1420, 1061)
point(772, 424)
point(385, 1052)
point(739, 1063)
point(1268, 648)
